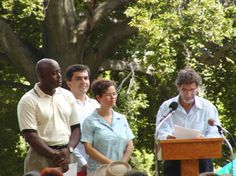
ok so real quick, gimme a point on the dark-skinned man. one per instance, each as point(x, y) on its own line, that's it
point(49, 121)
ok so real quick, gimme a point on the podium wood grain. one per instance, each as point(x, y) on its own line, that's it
point(189, 151)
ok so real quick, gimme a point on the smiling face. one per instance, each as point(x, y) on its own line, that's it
point(79, 83)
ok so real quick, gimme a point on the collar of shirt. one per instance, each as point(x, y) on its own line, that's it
point(40, 93)
point(87, 100)
point(197, 101)
point(115, 118)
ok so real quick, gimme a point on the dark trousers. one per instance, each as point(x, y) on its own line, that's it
point(172, 167)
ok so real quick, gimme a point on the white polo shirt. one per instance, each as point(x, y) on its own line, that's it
point(50, 116)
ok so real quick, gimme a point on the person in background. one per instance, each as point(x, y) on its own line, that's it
point(49, 120)
point(51, 172)
point(115, 168)
point(77, 76)
point(208, 174)
point(135, 173)
point(192, 112)
point(106, 133)
point(227, 168)
point(32, 173)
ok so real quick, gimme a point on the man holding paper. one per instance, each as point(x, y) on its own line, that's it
point(193, 112)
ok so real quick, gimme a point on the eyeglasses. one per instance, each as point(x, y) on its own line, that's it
point(185, 91)
point(114, 94)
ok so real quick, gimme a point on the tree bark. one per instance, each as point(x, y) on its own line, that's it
point(17, 52)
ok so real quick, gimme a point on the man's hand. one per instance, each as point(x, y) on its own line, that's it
point(170, 137)
point(202, 136)
point(62, 159)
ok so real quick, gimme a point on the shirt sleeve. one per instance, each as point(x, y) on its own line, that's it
point(212, 131)
point(74, 113)
point(26, 114)
point(130, 134)
point(80, 159)
point(87, 130)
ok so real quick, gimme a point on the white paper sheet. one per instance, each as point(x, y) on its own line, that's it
point(186, 133)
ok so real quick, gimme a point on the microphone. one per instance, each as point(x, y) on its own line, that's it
point(173, 106)
point(212, 122)
point(221, 130)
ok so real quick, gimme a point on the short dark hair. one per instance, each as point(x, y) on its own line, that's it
point(44, 64)
point(99, 86)
point(188, 76)
point(76, 68)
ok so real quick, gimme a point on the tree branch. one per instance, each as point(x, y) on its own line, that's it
point(117, 34)
point(96, 13)
point(17, 52)
point(212, 53)
point(120, 65)
point(59, 28)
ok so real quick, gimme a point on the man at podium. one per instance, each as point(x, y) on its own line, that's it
point(192, 112)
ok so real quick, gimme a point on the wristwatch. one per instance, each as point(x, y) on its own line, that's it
point(71, 149)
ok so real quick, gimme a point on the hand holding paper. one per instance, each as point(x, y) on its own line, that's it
point(186, 133)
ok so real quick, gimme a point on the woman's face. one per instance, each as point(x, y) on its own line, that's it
point(108, 98)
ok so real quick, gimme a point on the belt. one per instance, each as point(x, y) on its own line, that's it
point(58, 147)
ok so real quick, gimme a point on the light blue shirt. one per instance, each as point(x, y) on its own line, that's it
point(197, 118)
point(227, 168)
point(110, 140)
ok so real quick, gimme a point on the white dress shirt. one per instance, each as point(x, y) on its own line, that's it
point(196, 118)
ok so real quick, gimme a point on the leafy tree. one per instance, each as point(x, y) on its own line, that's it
point(197, 34)
point(72, 32)
point(69, 31)
point(11, 147)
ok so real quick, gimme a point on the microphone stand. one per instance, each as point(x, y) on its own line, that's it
point(156, 143)
point(164, 119)
point(231, 151)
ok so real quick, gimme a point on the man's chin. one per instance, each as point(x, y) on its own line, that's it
point(59, 84)
point(189, 101)
point(85, 90)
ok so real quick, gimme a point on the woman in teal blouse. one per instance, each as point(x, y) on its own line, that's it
point(106, 134)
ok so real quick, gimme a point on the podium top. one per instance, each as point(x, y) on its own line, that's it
point(185, 149)
point(198, 140)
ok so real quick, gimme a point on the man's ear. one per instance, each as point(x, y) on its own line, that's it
point(178, 88)
point(68, 83)
point(98, 98)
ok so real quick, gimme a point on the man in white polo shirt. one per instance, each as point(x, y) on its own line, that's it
point(77, 76)
point(49, 120)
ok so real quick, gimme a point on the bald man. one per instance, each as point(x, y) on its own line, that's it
point(48, 120)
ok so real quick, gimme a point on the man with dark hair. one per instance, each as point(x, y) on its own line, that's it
point(77, 76)
point(192, 112)
point(49, 120)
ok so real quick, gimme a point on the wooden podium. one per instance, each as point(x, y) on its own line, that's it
point(188, 151)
